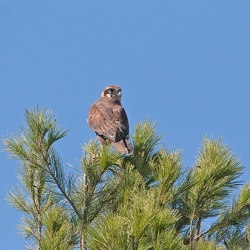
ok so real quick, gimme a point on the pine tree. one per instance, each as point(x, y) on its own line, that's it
point(147, 200)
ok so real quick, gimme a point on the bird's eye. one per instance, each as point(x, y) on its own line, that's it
point(111, 90)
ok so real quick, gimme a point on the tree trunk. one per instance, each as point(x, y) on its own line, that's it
point(84, 215)
point(198, 229)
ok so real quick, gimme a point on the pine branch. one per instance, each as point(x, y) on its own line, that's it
point(237, 215)
point(57, 181)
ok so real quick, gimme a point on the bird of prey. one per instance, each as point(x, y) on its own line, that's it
point(109, 120)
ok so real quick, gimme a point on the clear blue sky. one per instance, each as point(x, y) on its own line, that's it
point(183, 64)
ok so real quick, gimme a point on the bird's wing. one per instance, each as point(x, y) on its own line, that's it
point(109, 121)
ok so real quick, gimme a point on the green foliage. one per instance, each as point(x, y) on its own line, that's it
point(207, 245)
point(146, 200)
point(215, 174)
point(140, 223)
point(166, 169)
point(34, 144)
point(145, 140)
point(33, 147)
point(58, 231)
point(233, 220)
point(212, 180)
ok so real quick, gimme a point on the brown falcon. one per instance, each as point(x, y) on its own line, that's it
point(109, 120)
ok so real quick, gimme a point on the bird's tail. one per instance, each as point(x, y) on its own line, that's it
point(123, 146)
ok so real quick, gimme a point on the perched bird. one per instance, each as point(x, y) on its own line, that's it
point(109, 120)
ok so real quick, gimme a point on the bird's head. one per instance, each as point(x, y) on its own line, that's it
point(112, 92)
